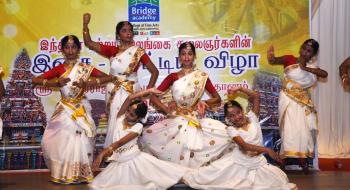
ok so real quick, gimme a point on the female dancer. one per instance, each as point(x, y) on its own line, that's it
point(68, 140)
point(125, 60)
point(130, 168)
point(297, 114)
point(245, 167)
point(187, 138)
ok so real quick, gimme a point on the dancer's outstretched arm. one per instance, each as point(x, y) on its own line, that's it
point(86, 35)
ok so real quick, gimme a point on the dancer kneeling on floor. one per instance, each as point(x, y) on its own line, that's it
point(245, 167)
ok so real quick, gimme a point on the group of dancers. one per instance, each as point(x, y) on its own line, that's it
point(186, 146)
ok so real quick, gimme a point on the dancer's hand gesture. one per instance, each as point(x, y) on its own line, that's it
point(201, 107)
point(234, 90)
point(274, 155)
point(63, 81)
point(155, 91)
point(97, 162)
point(86, 18)
point(79, 83)
point(271, 55)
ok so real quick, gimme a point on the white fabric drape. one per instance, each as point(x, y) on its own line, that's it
point(331, 28)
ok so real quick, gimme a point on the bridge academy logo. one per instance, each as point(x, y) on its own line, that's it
point(143, 10)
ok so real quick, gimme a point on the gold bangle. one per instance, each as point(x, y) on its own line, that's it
point(98, 81)
point(44, 82)
point(110, 149)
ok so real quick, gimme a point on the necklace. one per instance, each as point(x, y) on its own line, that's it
point(71, 62)
point(124, 46)
point(187, 71)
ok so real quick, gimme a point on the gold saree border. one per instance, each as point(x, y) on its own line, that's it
point(297, 154)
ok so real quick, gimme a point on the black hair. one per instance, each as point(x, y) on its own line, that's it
point(65, 39)
point(230, 104)
point(120, 26)
point(141, 109)
point(314, 44)
point(185, 44)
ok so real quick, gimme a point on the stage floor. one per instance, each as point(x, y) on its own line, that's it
point(40, 181)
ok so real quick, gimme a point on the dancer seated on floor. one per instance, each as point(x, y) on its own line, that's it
point(245, 167)
point(130, 168)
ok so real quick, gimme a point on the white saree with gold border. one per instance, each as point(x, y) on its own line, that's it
point(122, 66)
point(68, 140)
point(240, 169)
point(297, 115)
point(187, 139)
point(129, 168)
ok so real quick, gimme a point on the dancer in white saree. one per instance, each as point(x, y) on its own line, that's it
point(125, 60)
point(186, 138)
point(68, 140)
point(297, 113)
point(245, 167)
point(129, 168)
point(2, 92)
